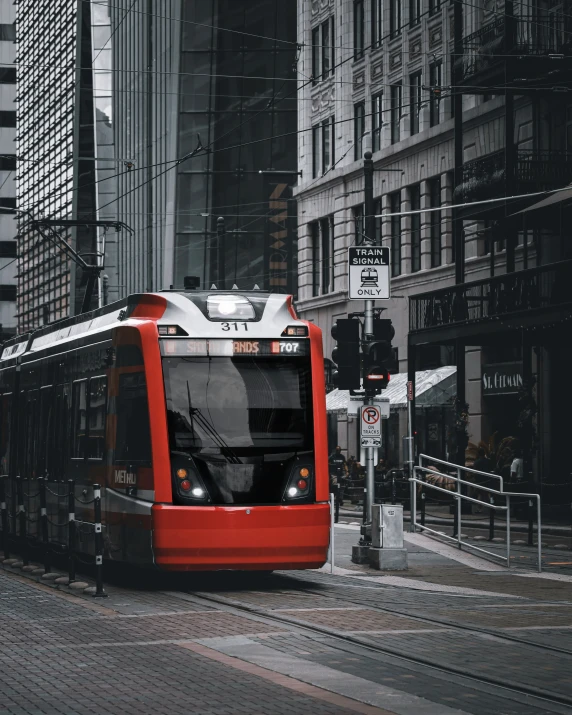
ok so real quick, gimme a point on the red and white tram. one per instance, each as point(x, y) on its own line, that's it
point(201, 414)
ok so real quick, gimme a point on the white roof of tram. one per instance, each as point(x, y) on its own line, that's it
point(431, 387)
point(182, 309)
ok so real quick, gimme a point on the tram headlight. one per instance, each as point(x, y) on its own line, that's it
point(229, 307)
point(292, 492)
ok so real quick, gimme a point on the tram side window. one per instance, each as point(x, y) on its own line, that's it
point(79, 419)
point(62, 430)
point(5, 432)
point(30, 436)
point(97, 414)
point(45, 445)
point(133, 438)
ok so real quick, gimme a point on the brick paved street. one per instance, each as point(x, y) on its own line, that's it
point(295, 642)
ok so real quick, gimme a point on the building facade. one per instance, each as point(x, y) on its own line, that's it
point(163, 121)
point(412, 83)
point(8, 228)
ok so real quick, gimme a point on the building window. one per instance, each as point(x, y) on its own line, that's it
point(414, 12)
point(415, 200)
point(315, 235)
point(376, 121)
point(395, 207)
point(8, 119)
point(376, 18)
point(359, 224)
point(7, 75)
point(394, 17)
point(414, 102)
point(358, 29)
point(434, 6)
point(8, 249)
point(316, 71)
point(327, 48)
point(435, 221)
point(359, 129)
point(323, 147)
point(7, 292)
point(327, 241)
point(453, 84)
point(315, 151)
point(8, 162)
point(8, 32)
point(435, 82)
point(395, 111)
point(323, 51)
point(327, 144)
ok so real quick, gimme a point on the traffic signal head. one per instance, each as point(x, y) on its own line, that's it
point(377, 353)
point(345, 332)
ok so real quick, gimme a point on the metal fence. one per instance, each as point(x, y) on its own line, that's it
point(38, 517)
point(451, 482)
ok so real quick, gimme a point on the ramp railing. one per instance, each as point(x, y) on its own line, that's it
point(457, 482)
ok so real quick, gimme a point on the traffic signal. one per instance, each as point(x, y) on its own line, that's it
point(345, 332)
point(377, 355)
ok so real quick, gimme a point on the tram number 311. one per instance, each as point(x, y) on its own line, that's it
point(234, 326)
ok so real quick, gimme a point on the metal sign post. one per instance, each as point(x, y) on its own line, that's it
point(410, 458)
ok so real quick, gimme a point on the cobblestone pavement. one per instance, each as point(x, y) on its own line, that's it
point(474, 641)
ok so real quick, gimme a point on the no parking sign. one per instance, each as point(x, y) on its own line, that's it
point(370, 426)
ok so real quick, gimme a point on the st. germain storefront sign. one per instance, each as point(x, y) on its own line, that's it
point(503, 378)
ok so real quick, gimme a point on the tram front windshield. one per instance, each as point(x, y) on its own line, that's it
point(243, 420)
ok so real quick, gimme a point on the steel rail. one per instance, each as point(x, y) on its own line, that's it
point(445, 622)
point(508, 686)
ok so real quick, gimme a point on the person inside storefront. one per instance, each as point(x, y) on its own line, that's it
point(481, 464)
point(381, 469)
point(517, 467)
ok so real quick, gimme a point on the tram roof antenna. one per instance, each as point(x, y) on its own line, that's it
point(234, 287)
point(213, 287)
point(256, 287)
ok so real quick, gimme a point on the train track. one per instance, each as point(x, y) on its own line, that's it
point(346, 641)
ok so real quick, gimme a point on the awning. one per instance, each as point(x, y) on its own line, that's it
point(556, 198)
point(432, 387)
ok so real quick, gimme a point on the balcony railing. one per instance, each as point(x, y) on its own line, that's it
point(543, 33)
point(499, 297)
point(538, 170)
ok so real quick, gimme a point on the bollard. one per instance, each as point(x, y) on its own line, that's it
point(4, 516)
point(491, 519)
point(71, 530)
point(43, 481)
point(99, 592)
point(22, 520)
point(530, 523)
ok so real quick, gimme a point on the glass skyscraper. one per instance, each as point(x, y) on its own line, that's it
point(112, 100)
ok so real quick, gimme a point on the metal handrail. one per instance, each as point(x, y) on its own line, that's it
point(459, 496)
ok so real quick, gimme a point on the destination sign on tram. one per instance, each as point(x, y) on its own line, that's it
point(368, 268)
point(198, 347)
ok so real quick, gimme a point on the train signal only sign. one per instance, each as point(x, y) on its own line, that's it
point(368, 273)
point(370, 426)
